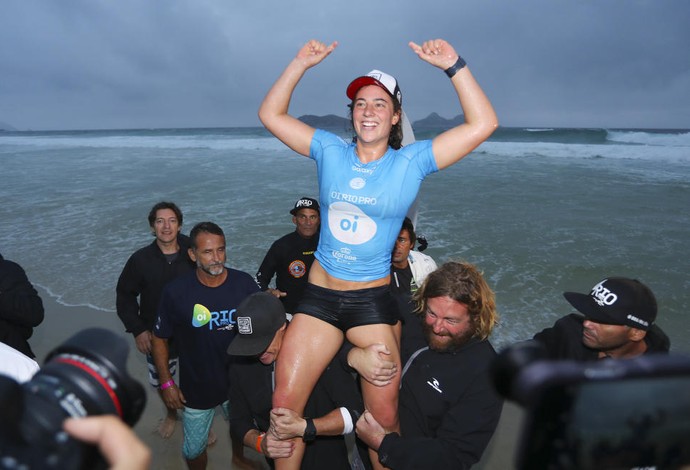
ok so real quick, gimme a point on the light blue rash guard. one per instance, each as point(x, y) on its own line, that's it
point(363, 205)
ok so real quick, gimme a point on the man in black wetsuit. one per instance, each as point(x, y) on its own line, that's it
point(330, 413)
point(141, 283)
point(448, 407)
point(291, 256)
point(616, 319)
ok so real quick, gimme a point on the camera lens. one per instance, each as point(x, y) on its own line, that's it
point(93, 365)
point(86, 375)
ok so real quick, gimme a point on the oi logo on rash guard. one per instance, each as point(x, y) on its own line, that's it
point(222, 320)
point(349, 224)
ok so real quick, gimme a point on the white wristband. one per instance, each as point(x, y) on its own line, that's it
point(347, 420)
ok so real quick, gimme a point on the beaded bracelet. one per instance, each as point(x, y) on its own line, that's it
point(168, 384)
point(453, 69)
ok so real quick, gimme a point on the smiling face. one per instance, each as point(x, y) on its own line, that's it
point(373, 115)
point(447, 324)
point(166, 226)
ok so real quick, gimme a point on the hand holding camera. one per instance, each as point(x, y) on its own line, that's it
point(85, 376)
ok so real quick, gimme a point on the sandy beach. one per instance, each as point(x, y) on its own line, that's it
point(61, 322)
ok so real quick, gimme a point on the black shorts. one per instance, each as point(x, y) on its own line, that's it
point(347, 309)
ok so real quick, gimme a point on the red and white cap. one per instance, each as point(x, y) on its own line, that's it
point(378, 78)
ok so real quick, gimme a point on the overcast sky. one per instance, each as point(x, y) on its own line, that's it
point(95, 64)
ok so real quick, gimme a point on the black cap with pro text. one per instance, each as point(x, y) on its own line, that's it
point(305, 203)
point(617, 301)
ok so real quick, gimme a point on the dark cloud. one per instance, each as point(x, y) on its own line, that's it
point(99, 64)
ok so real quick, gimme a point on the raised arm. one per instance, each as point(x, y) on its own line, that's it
point(273, 112)
point(480, 118)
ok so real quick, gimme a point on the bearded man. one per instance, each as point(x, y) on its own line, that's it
point(448, 408)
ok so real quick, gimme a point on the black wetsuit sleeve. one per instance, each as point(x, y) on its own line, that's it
point(241, 420)
point(342, 388)
point(341, 358)
point(127, 292)
point(268, 268)
point(564, 340)
point(460, 439)
point(550, 339)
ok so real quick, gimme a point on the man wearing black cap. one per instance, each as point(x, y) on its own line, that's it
point(261, 324)
point(616, 319)
point(291, 256)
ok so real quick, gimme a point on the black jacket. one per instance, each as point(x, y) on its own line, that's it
point(141, 283)
point(289, 259)
point(21, 308)
point(448, 410)
point(564, 340)
point(250, 405)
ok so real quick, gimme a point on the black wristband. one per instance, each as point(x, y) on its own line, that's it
point(453, 69)
point(309, 431)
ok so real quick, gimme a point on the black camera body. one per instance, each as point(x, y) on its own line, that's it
point(606, 414)
point(85, 376)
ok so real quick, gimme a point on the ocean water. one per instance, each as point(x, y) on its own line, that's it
point(540, 211)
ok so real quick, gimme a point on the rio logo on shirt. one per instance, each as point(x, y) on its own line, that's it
point(222, 320)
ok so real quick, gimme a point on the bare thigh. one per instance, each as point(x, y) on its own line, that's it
point(308, 347)
point(382, 402)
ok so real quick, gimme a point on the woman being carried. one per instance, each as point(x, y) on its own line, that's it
point(365, 189)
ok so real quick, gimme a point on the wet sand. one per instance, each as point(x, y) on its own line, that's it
point(61, 322)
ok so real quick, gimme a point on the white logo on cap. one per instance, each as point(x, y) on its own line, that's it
point(602, 295)
point(303, 203)
point(244, 325)
point(637, 320)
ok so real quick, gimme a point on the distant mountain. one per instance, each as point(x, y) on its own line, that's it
point(6, 127)
point(434, 121)
point(330, 121)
